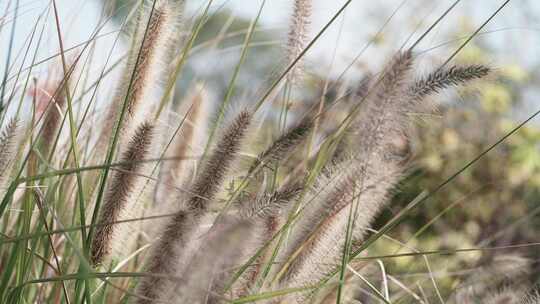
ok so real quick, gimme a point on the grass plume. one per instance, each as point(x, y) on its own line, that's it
point(8, 146)
point(163, 259)
point(210, 269)
point(364, 182)
point(51, 122)
point(298, 35)
point(282, 146)
point(122, 184)
point(266, 212)
point(446, 77)
point(146, 64)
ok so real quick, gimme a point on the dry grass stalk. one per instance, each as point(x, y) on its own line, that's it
point(146, 65)
point(123, 183)
point(53, 118)
point(8, 149)
point(379, 159)
point(284, 145)
point(297, 37)
point(444, 78)
point(373, 170)
point(266, 211)
point(269, 204)
point(166, 253)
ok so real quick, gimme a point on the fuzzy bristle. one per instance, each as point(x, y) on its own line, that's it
point(445, 78)
point(163, 259)
point(53, 117)
point(8, 145)
point(147, 64)
point(285, 143)
point(270, 204)
point(218, 163)
point(266, 213)
point(531, 298)
point(321, 248)
point(365, 179)
point(147, 49)
point(505, 297)
point(211, 266)
point(298, 35)
point(502, 270)
point(121, 186)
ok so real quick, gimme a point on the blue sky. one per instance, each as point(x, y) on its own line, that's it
point(361, 21)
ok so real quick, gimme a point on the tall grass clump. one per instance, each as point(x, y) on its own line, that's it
point(169, 210)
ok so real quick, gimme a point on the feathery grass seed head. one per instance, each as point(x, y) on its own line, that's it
point(8, 149)
point(298, 35)
point(172, 243)
point(285, 143)
point(219, 161)
point(123, 183)
point(444, 78)
point(147, 63)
